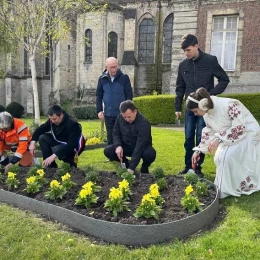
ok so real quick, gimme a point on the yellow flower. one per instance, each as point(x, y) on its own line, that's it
point(66, 177)
point(154, 190)
point(124, 185)
point(88, 185)
point(40, 172)
point(115, 193)
point(188, 190)
point(93, 140)
point(54, 184)
point(31, 180)
point(11, 175)
point(147, 198)
point(85, 192)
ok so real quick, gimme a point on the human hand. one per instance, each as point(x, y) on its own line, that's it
point(194, 159)
point(101, 115)
point(7, 167)
point(131, 171)
point(119, 153)
point(178, 114)
point(213, 146)
point(49, 160)
point(32, 148)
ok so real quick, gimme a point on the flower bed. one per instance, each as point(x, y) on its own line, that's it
point(173, 222)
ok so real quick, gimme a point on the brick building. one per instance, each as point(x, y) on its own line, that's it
point(145, 37)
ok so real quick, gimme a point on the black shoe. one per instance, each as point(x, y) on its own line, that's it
point(199, 173)
point(144, 170)
point(184, 171)
point(73, 165)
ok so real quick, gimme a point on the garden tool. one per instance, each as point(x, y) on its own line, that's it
point(177, 122)
point(122, 164)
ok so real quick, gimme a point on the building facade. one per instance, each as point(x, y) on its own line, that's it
point(145, 38)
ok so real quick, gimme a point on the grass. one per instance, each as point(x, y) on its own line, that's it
point(24, 235)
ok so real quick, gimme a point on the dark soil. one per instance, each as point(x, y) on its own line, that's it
point(172, 209)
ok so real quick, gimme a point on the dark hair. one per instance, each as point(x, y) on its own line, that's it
point(188, 40)
point(128, 104)
point(198, 95)
point(55, 109)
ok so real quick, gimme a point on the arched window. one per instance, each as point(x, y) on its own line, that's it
point(146, 41)
point(88, 46)
point(112, 44)
point(167, 38)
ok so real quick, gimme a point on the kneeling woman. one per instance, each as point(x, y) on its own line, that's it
point(233, 134)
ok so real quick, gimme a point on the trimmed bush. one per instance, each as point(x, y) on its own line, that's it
point(2, 108)
point(160, 109)
point(15, 109)
point(84, 112)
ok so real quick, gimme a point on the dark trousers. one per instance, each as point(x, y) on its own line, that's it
point(148, 155)
point(50, 146)
point(110, 122)
point(193, 128)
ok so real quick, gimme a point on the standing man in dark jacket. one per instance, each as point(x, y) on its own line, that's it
point(197, 70)
point(132, 137)
point(59, 137)
point(113, 88)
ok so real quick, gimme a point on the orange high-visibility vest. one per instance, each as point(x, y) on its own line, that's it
point(18, 137)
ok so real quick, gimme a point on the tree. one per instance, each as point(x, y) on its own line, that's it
point(28, 22)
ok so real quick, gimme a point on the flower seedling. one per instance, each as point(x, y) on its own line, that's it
point(55, 191)
point(11, 181)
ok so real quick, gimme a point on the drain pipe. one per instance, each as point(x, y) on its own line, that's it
point(158, 44)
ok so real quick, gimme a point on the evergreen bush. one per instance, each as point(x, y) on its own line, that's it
point(2, 108)
point(15, 109)
point(84, 112)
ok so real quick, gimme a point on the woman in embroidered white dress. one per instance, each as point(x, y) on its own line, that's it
point(233, 134)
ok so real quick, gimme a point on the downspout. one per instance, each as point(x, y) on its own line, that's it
point(158, 44)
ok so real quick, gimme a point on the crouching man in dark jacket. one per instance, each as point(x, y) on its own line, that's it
point(131, 138)
point(59, 137)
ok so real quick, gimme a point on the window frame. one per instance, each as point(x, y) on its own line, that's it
point(88, 46)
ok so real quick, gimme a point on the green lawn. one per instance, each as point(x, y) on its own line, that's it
point(23, 235)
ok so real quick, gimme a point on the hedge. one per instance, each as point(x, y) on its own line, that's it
point(159, 109)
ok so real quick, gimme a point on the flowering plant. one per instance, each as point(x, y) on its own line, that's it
point(148, 208)
point(93, 140)
point(116, 202)
point(11, 181)
point(55, 191)
point(201, 189)
point(87, 194)
point(66, 181)
point(155, 194)
point(33, 185)
point(189, 201)
point(124, 187)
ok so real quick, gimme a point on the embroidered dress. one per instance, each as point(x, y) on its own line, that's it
point(237, 157)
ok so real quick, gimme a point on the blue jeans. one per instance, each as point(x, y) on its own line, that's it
point(110, 122)
point(193, 128)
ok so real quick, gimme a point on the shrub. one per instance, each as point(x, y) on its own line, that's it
point(191, 178)
point(158, 173)
point(2, 108)
point(84, 112)
point(15, 109)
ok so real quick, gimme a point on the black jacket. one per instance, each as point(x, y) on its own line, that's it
point(112, 93)
point(194, 74)
point(69, 131)
point(136, 135)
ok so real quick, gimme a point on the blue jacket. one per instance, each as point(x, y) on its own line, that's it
point(112, 93)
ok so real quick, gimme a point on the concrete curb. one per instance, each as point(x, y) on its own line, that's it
point(131, 235)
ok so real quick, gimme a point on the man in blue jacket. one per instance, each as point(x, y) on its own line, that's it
point(198, 70)
point(113, 88)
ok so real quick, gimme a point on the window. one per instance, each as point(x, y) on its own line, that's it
point(88, 46)
point(224, 41)
point(112, 44)
point(47, 57)
point(167, 38)
point(146, 41)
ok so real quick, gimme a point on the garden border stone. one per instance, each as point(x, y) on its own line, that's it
point(126, 234)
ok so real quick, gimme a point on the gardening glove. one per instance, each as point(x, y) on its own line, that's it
point(195, 158)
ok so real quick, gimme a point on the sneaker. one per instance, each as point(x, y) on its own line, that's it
point(199, 173)
point(184, 171)
point(144, 170)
